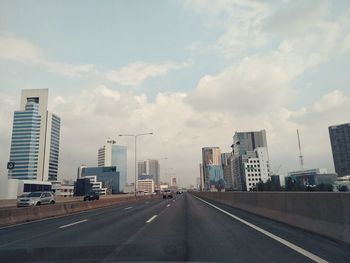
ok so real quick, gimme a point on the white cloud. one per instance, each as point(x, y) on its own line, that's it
point(181, 130)
point(24, 51)
point(136, 73)
point(252, 27)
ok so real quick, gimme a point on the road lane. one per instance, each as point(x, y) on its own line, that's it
point(184, 230)
point(23, 231)
point(274, 237)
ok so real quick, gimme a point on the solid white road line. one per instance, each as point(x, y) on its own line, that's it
point(127, 208)
point(281, 240)
point(75, 223)
point(167, 205)
point(151, 219)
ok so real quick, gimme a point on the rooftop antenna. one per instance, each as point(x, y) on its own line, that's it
point(301, 157)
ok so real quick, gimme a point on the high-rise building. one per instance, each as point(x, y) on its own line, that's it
point(248, 141)
point(150, 168)
point(211, 155)
point(153, 169)
point(35, 138)
point(250, 160)
point(141, 169)
point(213, 178)
point(256, 168)
point(201, 177)
point(112, 154)
point(173, 181)
point(340, 142)
point(226, 159)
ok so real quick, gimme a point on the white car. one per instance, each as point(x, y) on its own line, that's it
point(36, 198)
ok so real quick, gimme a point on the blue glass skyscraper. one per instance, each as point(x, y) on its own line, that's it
point(35, 139)
point(112, 154)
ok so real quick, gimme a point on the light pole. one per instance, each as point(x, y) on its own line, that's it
point(135, 137)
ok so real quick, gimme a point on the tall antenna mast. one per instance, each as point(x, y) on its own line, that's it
point(301, 157)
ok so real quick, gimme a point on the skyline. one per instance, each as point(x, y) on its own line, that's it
point(195, 59)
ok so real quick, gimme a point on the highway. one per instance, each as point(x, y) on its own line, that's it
point(181, 229)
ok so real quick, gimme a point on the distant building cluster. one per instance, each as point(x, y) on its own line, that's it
point(247, 166)
point(34, 156)
point(149, 169)
point(239, 170)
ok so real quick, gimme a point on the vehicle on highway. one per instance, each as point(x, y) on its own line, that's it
point(92, 196)
point(36, 198)
point(167, 194)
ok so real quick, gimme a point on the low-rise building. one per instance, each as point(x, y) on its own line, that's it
point(63, 188)
point(312, 177)
point(341, 182)
point(145, 185)
point(104, 180)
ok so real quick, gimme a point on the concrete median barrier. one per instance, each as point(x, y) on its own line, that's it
point(327, 214)
point(19, 215)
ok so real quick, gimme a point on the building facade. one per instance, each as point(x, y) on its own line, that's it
point(63, 188)
point(340, 142)
point(226, 159)
point(256, 168)
point(212, 172)
point(112, 154)
point(145, 185)
point(104, 180)
point(248, 141)
point(250, 160)
point(312, 177)
point(35, 139)
point(151, 168)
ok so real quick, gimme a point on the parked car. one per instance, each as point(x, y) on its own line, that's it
point(167, 194)
point(92, 196)
point(36, 198)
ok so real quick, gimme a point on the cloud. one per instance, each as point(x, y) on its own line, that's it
point(23, 51)
point(240, 21)
point(254, 85)
point(136, 73)
point(251, 27)
point(180, 129)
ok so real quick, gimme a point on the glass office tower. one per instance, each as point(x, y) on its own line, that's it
point(35, 138)
point(340, 142)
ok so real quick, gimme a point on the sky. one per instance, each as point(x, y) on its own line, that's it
point(193, 72)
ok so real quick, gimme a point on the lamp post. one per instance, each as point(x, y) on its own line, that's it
point(135, 137)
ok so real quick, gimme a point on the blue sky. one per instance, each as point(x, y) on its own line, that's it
point(192, 71)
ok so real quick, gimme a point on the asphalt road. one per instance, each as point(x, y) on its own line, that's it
point(182, 229)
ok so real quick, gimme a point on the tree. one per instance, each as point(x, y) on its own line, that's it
point(267, 186)
point(343, 188)
point(294, 185)
point(324, 187)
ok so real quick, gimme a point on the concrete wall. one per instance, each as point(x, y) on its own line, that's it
point(18, 215)
point(327, 214)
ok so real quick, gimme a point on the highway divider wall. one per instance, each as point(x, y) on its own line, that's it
point(327, 214)
point(19, 215)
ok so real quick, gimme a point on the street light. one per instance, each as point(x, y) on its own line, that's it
point(135, 137)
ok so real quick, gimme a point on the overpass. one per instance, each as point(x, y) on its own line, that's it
point(191, 227)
